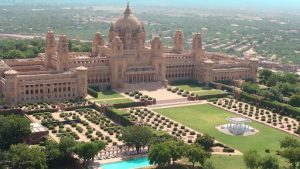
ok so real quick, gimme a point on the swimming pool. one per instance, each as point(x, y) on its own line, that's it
point(130, 164)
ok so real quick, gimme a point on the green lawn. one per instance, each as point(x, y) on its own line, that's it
point(191, 87)
point(114, 101)
point(198, 89)
point(204, 118)
point(228, 162)
point(109, 94)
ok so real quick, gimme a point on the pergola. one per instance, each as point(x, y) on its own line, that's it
point(237, 125)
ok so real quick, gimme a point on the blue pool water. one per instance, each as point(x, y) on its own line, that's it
point(130, 164)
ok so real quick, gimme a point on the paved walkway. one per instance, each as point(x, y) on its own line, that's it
point(177, 104)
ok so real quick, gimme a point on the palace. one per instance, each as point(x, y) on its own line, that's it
point(124, 60)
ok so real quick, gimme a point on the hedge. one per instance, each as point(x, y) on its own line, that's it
point(205, 97)
point(128, 105)
point(30, 112)
point(228, 150)
point(227, 88)
point(212, 85)
point(119, 116)
point(248, 97)
point(92, 92)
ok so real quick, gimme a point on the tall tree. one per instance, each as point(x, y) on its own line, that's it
point(269, 162)
point(53, 153)
point(177, 149)
point(21, 156)
point(290, 78)
point(250, 88)
point(265, 74)
point(252, 159)
point(87, 151)
point(66, 147)
point(195, 153)
point(137, 136)
point(13, 130)
point(295, 100)
point(206, 141)
point(160, 154)
point(291, 151)
point(289, 142)
point(292, 154)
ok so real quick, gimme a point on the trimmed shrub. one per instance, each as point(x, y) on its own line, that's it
point(92, 92)
point(228, 150)
point(121, 117)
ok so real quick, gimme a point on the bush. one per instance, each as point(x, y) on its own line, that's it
point(228, 150)
point(205, 141)
point(92, 92)
point(118, 116)
point(213, 96)
point(128, 105)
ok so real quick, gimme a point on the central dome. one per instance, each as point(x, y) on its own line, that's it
point(128, 22)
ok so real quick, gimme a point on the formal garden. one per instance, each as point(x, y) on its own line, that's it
point(204, 118)
point(82, 124)
point(261, 115)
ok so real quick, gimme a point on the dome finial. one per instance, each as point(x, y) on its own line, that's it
point(127, 10)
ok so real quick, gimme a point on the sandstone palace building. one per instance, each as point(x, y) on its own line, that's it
point(124, 60)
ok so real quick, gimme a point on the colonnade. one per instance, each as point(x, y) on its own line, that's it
point(140, 78)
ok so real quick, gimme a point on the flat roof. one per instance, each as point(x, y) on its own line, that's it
point(36, 127)
point(238, 120)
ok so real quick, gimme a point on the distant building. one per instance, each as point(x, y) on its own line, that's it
point(125, 60)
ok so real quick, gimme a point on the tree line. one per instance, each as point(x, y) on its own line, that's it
point(20, 49)
point(281, 87)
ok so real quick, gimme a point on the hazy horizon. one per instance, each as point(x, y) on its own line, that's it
point(231, 4)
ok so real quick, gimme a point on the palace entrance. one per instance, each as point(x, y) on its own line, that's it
point(141, 75)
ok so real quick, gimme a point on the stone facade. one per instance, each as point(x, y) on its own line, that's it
point(125, 60)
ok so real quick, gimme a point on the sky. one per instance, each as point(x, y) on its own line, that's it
point(239, 4)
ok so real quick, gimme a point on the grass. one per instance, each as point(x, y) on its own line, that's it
point(204, 118)
point(106, 94)
point(114, 101)
point(191, 87)
point(228, 162)
point(109, 94)
point(198, 89)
